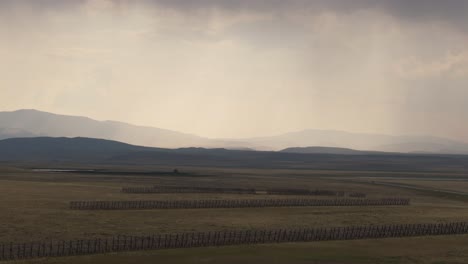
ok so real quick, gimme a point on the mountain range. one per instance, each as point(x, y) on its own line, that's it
point(33, 123)
point(330, 150)
point(94, 153)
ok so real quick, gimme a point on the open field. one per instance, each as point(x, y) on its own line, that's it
point(459, 186)
point(434, 250)
point(36, 208)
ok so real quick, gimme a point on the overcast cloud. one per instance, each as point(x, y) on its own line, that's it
point(242, 68)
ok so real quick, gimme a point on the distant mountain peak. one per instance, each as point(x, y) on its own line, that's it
point(326, 150)
point(33, 123)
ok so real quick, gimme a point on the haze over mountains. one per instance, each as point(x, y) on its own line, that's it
point(329, 150)
point(367, 142)
point(33, 123)
point(93, 153)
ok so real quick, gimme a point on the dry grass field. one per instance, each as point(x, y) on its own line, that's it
point(435, 250)
point(459, 185)
point(34, 207)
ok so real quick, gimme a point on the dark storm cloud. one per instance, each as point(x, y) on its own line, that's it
point(449, 11)
point(452, 11)
point(258, 5)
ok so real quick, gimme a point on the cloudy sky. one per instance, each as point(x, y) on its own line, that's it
point(242, 68)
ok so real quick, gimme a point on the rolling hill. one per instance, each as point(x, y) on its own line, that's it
point(33, 123)
point(95, 152)
point(50, 149)
point(328, 150)
point(362, 141)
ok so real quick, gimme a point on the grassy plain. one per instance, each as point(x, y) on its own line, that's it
point(434, 250)
point(34, 207)
point(442, 185)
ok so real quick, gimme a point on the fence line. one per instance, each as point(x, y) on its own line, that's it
point(14, 251)
point(181, 189)
point(186, 204)
point(304, 192)
point(185, 189)
point(357, 195)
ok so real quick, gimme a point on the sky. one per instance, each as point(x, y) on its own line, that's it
point(245, 68)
